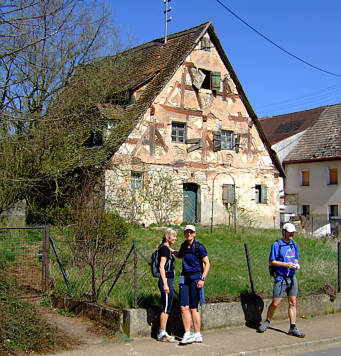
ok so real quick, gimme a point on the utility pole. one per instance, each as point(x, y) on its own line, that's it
point(167, 9)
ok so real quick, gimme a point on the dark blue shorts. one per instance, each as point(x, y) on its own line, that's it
point(189, 293)
point(166, 299)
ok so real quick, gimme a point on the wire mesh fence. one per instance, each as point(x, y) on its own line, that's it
point(131, 283)
point(22, 252)
point(121, 277)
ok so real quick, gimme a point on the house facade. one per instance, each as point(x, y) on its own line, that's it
point(198, 132)
point(311, 154)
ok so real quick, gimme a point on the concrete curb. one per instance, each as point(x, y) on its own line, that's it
point(145, 322)
point(297, 347)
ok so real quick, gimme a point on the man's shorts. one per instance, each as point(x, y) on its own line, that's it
point(166, 298)
point(288, 285)
point(189, 293)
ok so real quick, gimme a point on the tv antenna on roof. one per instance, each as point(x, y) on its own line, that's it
point(166, 11)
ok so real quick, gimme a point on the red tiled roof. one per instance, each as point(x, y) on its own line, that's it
point(278, 128)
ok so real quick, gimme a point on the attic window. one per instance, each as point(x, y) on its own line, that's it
point(95, 139)
point(123, 98)
point(211, 81)
point(206, 44)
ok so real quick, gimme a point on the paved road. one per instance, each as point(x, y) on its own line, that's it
point(327, 351)
point(320, 331)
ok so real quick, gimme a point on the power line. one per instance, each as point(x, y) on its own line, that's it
point(275, 44)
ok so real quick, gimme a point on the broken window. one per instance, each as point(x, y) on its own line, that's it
point(136, 180)
point(261, 191)
point(178, 132)
point(206, 79)
point(305, 175)
point(333, 176)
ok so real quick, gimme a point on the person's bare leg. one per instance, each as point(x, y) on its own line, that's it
point(186, 318)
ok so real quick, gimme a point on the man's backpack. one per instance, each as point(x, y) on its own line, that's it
point(272, 269)
point(155, 263)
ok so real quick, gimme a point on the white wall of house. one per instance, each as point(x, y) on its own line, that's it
point(319, 195)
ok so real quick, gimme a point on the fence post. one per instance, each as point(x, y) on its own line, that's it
point(338, 265)
point(46, 263)
point(135, 275)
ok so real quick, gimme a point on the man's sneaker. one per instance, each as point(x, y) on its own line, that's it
point(264, 326)
point(296, 332)
point(197, 337)
point(187, 339)
point(164, 337)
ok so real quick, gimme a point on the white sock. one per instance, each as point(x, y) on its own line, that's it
point(197, 333)
point(161, 332)
point(187, 333)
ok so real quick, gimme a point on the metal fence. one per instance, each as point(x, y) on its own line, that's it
point(132, 285)
point(40, 263)
point(24, 256)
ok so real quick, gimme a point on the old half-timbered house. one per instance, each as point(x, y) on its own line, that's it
point(195, 139)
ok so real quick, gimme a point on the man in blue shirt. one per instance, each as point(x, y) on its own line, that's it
point(195, 266)
point(284, 256)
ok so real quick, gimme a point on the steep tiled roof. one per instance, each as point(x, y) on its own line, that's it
point(322, 141)
point(278, 128)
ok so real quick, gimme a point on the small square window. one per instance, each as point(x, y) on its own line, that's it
point(206, 44)
point(136, 180)
point(333, 176)
point(333, 210)
point(178, 132)
point(261, 192)
point(306, 211)
point(305, 178)
point(226, 140)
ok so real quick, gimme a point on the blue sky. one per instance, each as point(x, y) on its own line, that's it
point(274, 82)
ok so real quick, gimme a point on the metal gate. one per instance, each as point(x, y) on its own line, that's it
point(24, 256)
point(190, 191)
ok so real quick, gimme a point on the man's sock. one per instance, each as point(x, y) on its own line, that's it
point(292, 326)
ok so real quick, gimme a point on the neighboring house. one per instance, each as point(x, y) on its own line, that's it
point(308, 144)
point(192, 121)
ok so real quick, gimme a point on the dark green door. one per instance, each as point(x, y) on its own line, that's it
point(190, 202)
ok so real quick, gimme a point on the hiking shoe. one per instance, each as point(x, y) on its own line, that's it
point(197, 337)
point(164, 337)
point(296, 332)
point(264, 326)
point(187, 339)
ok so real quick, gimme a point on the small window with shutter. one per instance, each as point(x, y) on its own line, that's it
point(333, 176)
point(206, 44)
point(261, 193)
point(305, 175)
point(212, 80)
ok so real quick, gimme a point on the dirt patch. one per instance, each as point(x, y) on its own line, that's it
point(78, 329)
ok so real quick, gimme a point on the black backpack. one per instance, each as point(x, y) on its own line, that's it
point(272, 269)
point(155, 263)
